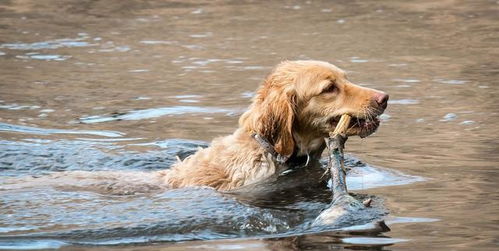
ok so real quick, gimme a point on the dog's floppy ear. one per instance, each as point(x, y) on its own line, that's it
point(272, 113)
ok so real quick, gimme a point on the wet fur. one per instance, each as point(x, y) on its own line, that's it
point(292, 110)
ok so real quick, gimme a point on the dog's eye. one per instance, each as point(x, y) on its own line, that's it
point(330, 88)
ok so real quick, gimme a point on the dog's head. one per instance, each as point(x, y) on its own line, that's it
point(305, 99)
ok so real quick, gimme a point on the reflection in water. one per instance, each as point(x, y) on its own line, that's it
point(137, 64)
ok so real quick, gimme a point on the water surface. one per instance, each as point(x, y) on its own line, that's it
point(97, 95)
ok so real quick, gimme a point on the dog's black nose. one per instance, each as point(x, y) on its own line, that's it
point(381, 99)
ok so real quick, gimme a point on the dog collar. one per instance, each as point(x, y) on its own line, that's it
point(265, 144)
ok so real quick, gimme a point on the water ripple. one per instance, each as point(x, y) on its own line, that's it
point(51, 44)
point(111, 199)
point(47, 131)
point(154, 113)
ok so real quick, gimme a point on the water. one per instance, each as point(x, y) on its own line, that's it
point(89, 192)
point(97, 95)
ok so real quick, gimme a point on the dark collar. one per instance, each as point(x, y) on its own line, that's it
point(265, 144)
point(291, 161)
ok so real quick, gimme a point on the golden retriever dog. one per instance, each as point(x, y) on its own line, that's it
point(295, 108)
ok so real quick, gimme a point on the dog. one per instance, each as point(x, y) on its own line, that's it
point(294, 109)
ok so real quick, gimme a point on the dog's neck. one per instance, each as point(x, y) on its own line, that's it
point(306, 150)
point(307, 144)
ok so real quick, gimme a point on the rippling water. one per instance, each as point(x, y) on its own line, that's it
point(97, 95)
point(60, 193)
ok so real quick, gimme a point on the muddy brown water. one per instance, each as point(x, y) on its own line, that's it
point(97, 95)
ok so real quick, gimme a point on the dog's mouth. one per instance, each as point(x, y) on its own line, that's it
point(362, 127)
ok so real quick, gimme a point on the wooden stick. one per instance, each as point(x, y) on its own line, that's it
point(335, 144)
point(343, 206)
point(342, 126)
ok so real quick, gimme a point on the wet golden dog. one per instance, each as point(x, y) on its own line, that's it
point(294, 109)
